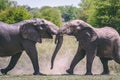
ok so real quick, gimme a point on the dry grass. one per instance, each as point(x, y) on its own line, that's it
point(62, 61)
point(60, 77)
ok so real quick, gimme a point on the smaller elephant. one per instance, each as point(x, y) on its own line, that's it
point(22, 36)
point(102, 42)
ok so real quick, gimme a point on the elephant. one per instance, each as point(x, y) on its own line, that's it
point(102, 42)
point(22, 36)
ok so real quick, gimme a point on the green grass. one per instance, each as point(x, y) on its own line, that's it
point(62, 62)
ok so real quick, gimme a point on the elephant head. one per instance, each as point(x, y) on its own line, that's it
point(32, 29)
point(78, 28)
point(73, 27)
point(40, 28)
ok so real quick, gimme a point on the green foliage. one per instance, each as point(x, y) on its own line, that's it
point(68, 12)
point(14, 14)
point(10, 13)
point(7, 3)
point(3, 4)
point(101, 13)
point(35, 12)
point(51, 14)
point(106, 13)
point(86, 9)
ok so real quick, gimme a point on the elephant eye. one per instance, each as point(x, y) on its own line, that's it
point(43, 21)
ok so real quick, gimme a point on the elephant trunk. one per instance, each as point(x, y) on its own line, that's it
point(58, 41)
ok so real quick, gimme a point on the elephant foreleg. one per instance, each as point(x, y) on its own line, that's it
point(105, 66)
point(32, 53)
point(90, 55)
point(79, 56)
point(12, 63)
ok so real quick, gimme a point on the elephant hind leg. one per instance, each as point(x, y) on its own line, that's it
point(79, 56)
point(105, 65)
point(116, 55)
point(12, 63)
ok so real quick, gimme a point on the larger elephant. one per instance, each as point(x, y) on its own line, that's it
point(22, 36)
point(102, 42)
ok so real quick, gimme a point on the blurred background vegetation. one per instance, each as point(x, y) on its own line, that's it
point(98, 13)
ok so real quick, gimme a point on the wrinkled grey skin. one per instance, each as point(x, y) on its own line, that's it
point(101, 42)
point(22, 36)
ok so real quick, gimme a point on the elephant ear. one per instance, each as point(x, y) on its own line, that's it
point(29, 32)
point(88, 33)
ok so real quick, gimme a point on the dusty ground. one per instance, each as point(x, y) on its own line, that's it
point(62, 62)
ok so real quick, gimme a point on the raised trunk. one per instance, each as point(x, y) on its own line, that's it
point(59, 41)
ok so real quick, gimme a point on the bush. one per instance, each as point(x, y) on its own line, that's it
point(14, 14)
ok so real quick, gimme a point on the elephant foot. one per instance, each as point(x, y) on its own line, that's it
point(3, 71)
point(69, 71)
point(39, 74)
point(105, 73)
point(88, 73)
